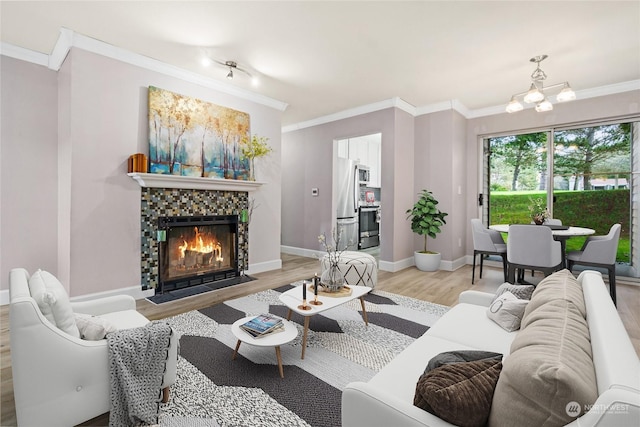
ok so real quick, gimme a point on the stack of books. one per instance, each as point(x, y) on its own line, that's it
point(262, 325)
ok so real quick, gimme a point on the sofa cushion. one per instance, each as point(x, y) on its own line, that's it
point(93, 328)
point(559, 285)
point(520, 291)
point(459, 393)
point(507, 311)
point(549, 368)
point(479, 333)
point(53, 301)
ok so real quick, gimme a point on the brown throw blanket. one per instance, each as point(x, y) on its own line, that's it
point(137, 362)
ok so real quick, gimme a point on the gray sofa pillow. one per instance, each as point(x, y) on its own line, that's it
point(520, 291)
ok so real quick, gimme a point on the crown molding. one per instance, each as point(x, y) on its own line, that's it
point(23, 54)
point(353, 112)
point(69, 39)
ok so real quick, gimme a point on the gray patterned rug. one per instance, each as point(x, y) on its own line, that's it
point(214, 390)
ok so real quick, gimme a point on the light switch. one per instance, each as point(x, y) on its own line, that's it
point(314, 192)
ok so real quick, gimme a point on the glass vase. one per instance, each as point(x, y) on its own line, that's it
point(332, 279)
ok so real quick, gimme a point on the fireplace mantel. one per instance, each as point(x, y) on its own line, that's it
point(156, 180)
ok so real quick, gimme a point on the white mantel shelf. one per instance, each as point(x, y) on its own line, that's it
point(156, 180)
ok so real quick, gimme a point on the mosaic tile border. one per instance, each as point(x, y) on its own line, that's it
point(157, 202)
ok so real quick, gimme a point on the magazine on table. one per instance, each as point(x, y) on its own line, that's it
point(262, 325)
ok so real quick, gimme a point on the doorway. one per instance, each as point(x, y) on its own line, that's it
point(365, 152)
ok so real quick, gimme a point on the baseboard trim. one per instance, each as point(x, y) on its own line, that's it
point(261, 267)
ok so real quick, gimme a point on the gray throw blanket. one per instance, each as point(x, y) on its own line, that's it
point(137, 362)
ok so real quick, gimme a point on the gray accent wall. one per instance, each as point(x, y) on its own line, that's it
point(28, 167)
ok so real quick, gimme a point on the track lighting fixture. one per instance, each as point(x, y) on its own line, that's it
point(232, 66)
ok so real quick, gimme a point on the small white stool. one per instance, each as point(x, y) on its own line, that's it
point(358, 268)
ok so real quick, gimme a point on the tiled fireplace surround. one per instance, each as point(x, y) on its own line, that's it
point(158, 202)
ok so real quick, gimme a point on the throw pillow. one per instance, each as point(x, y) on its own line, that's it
point(520, 291)
point(507, 311)
point(458, 356)
point(93, 328)
point(53, 301)
point(459, 393)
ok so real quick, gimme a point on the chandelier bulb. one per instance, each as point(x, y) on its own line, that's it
point(545, 105)
point(566, 94)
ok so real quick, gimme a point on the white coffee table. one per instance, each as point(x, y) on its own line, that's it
point(272, 340)
point(293, 299)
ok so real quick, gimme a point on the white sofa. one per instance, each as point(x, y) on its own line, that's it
point(387, 399)
point(60, 379)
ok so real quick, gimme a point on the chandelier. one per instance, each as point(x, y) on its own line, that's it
point(536, 93)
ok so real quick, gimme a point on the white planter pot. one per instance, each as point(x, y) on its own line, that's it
point(427, 262)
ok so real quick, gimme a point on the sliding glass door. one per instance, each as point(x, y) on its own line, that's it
point(585, 176)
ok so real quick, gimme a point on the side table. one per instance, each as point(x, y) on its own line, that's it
point(275, 339)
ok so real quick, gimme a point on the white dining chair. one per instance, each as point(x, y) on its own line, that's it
point(532, 247)
point(487, 242)
point(599, 251)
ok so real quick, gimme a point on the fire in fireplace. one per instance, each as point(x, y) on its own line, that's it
point(197, 250)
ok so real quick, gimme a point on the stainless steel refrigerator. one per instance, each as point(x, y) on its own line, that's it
point(348, 198)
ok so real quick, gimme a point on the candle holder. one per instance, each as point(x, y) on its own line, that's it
point(315, 301)
point(304, 305)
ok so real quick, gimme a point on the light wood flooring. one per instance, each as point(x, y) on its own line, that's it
point(440, 287)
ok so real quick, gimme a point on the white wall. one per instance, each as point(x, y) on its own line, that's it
point(101, 120)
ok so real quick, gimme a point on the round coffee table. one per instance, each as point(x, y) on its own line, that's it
point(275, 339)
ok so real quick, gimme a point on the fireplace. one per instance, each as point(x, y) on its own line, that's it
point(197, 250)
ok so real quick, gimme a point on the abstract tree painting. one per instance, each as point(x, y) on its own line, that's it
point(191, 137)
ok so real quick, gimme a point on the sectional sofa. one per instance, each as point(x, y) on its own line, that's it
point(570, 363)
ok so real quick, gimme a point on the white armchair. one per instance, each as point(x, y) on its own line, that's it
point(599, 251)
point(60, 379)
point(488, 242)
point(532, 247)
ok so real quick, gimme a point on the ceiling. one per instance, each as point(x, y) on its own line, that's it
point(323, 57)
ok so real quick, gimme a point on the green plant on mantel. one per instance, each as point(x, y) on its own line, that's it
point(426, 218)
point(252, 149)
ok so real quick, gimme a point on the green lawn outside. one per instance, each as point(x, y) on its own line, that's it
point(597, 209)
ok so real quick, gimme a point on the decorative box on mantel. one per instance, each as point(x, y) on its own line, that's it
point(156, 180)
point(173, 195)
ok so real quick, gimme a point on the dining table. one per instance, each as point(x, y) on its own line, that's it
point(560, 233)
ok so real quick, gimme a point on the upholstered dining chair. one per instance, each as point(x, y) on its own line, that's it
point(532, 247)
point(599, 251)
point(548, 221)
point(487, 242)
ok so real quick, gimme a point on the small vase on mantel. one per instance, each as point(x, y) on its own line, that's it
point(332, 279)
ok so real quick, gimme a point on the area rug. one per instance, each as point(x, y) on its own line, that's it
point(214, 390)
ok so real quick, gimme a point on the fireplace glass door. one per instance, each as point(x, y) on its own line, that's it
point(197, 250)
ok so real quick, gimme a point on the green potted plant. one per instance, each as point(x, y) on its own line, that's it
point(253, 148)
point(426, 220)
